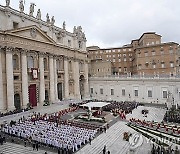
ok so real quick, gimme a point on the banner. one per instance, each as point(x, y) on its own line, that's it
point(34, 73)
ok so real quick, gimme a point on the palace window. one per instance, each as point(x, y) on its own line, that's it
point(125, 69)
point(123, 92)
point(164, 94)
point(153, 53)
point(91, 90)
point(162, 65)
point(101, 91)
point(136, 93)
point(112, 91)
point(171, 64)
point(30, 62)
point(146, 54)
point(149, 93)
point(15, 61)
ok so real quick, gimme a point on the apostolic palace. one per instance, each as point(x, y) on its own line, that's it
point(38, 60)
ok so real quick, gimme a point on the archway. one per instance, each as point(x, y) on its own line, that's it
point(17, 101)
point(81, 85)
point(46, 95)
point(59, 90)
point(32, 95)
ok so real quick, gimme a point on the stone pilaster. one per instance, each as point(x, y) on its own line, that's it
point(42, 83)
point(55, 79)
point(10, 79)
point(76, 79)
point(2, 103)
point(51, 74)
point(86, 84)
point(25, 98)
point(66, 79)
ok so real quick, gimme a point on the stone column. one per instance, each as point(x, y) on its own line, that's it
point(2, 103)
point(66, 79)
point(86, 84)
point(25, 98)
point(42, 83)
point(10, 79)
point(75, 67)
point(55, 80)
point(51, 74)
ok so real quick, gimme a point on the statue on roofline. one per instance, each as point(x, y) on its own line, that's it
point(21, 6)
point(64, 25)
point(52, 20)
point(7, 3)
point(47, 18)
point(31, 10)
point(38, 14)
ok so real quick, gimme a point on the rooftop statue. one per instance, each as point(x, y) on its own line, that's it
point(31, 10)
point(64, 25)
point(38, 14)
point(21, 6)
point(47, 18)
point(52, 20)
point(7, 3)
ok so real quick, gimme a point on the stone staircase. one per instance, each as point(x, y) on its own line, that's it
point(113, 135)
point(11, 148)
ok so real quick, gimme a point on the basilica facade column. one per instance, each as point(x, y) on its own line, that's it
point(2, 103)
point(51, 74)
point(55, 79)
point(86, 84)
point(75, 67)
point(25, 98)
point(66, 79)
point(10, 80)
point(42, 83)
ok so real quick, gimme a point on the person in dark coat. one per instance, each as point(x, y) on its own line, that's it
point(104, 150)
point(34, 146)
point(37, 146)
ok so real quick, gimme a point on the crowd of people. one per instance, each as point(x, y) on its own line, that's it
point(125, 106)
point(52, 131)
point(172, 116)
point(14, 111)
point(162, 127)
point(157, 149)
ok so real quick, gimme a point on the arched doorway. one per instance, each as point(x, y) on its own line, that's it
point(17, 101)
point(32, 95)
point(81, 85)
point(46, 95)
point(59, 90)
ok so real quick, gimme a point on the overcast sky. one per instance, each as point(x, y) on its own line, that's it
point(113, 23)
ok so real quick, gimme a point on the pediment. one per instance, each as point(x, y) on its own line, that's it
point(33, 33)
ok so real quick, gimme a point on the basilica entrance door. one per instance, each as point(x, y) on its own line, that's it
point(59, 89)
point(17, 102)
point(32, 95)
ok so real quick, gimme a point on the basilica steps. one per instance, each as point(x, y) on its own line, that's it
point(113, 135)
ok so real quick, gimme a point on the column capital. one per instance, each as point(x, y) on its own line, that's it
point(9, 49)
point(42, 54)
point(66, 58)
point(60, 57)
point(23, 51)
